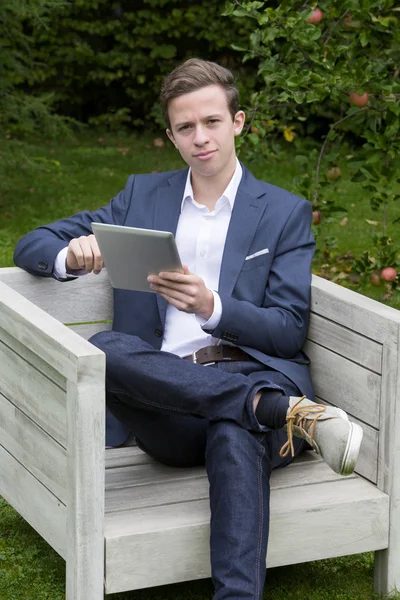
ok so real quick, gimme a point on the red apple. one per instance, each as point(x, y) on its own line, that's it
point(315, 17)
point(317, 217)
point(334, 173)
point(388, 274)
point(358, 100)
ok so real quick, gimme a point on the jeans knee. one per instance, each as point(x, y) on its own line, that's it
point(101, 339)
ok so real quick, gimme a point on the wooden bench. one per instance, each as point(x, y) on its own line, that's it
point(123, 521)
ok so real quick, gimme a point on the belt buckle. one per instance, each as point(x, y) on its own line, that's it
point(194, 357)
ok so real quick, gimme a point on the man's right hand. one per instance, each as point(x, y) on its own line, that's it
point(84, 254)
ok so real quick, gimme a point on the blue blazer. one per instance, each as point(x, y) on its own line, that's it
point(265, 276)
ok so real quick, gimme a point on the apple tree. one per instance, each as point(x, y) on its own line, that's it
point(333, 66)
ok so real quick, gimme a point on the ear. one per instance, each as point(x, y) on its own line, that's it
point(238, 122)
point(171, 137)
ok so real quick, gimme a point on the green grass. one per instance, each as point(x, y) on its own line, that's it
point(86, 173)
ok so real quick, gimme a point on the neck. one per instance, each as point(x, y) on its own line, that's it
point(207, 190)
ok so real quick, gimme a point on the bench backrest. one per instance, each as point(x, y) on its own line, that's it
point(352, 341)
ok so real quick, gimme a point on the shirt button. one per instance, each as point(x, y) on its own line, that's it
point(158, 332)
point(202, 254)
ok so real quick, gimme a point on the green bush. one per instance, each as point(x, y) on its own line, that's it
point(21, 110)
point(104, 60)
point(331, 70)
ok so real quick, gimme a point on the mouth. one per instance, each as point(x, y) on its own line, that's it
point(204, 155)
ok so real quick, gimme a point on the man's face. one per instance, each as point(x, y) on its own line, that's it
point(203, 131)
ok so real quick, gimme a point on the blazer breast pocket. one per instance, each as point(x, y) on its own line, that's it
point(257, 259)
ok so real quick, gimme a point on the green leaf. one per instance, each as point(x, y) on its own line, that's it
point(358, 177)
point(254, 139)
point(364, 38)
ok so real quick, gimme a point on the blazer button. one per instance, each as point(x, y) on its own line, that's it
point(158, 332)
point(43, 265)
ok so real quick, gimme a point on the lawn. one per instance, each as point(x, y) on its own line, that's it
point(86, 173)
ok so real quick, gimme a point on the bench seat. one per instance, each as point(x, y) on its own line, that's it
point(157, 518)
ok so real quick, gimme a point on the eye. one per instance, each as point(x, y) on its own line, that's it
point(213, 121)
point(184, 128)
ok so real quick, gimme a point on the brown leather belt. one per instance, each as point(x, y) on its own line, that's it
point(213, 354)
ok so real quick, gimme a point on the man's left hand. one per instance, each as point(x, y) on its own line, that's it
point(186, 291)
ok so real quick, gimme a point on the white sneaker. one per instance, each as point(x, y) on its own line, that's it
point(328, 431)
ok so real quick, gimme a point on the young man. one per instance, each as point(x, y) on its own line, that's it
point(209, 370)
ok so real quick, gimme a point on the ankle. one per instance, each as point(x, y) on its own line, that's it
point(271, 408)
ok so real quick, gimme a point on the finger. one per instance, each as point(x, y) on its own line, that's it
point(98, 262)
point(173, 293)
point(174, 302)
point(75, 259)
point(186, 270)
point(87, 253)
point(173, 276)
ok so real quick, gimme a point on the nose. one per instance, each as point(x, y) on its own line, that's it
point(200, 135)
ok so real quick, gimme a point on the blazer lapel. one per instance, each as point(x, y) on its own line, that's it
point(250, 204)
point(166, 215)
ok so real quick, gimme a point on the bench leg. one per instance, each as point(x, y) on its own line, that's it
point(83, 582)
point(387, 573)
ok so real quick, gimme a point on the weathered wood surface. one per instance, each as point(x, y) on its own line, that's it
point(165, 543)
point(387, 566)
point(86, 330)
point(30, 445)
point(357, 348)
point(154, 484)
point(85, 518)
point(81, 300)
point(358, 313)
point(34, 502)
point(33, 393)
point(42, 334)
point(343, 383)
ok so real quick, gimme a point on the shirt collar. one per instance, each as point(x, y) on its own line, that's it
point(229, 193)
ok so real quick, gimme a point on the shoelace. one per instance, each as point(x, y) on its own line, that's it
point(298, 417)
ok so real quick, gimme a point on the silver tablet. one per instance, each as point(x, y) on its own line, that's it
point(131, 254)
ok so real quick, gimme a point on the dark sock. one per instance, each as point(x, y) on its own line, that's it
point(272, 409)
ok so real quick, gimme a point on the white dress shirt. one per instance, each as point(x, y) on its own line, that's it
point(200, 239)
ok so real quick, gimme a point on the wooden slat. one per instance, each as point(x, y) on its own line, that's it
point(367, 464)
point(123, 457)
point(33, 359)
point(182, 485)
point(34, 502)
point(40, 454)
point(358, 313)
point(87, 298)
point(345, 342)
point(42, 334)
point(345, 384)
point(86, 330)
point(85, 476)
point(132, 455)
point(33, 393)
point(154, 472)
point(387, 565)
point(165, 544)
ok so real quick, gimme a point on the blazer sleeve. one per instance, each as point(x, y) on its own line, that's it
point(36, 251)
point(279, 326)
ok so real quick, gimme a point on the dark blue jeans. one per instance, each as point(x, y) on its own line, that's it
point(185, 414)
